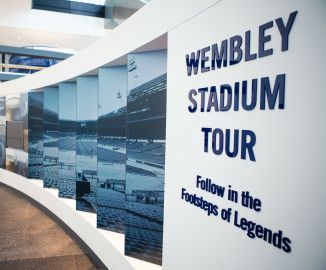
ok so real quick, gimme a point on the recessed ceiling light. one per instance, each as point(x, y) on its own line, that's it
point(19, 37)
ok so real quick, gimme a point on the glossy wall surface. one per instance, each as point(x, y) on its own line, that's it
point(67, 140)
point(146, 116)
point(51, 137)
point(86, 143)
point(3, 132)
point(17, 159)
point(35, 134)
point(111, 148)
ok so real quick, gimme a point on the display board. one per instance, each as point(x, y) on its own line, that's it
point(86, 143)
point(15, 135)
point(35, 134)
point(17, 160)
point(111, 148)
point(51, 137)
point(67, 140)
point(3, 132)
point(146, 116)
point(245, 173)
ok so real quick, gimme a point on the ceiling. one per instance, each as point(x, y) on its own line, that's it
point(22, 26)
point(20, 37)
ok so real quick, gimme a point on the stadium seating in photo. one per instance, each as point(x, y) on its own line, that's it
point(144, 244)
point(51, 175)
point(35, 171)
point(35, 135)
point(113, 184)
point(91, 198)
point(34, 160)
point(86, 129)
point(35, 151)
point(50, 160)
point(67, 170)
point(112, 219)
point(35, 112)
point(147, 196)
point(147, 211)
point(135, 220)
point(110, 198)
point(67, 128)
point(113, 124)
point(147, 129)
point(35, 157)
point(155, 85)
point(146, 115)
point(67, 184)
point(51, 120)
point(146, 120)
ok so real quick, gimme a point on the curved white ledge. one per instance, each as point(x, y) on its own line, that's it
point(146, 30)
point(108, 246)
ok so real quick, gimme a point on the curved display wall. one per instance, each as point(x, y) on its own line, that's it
point(190, 137)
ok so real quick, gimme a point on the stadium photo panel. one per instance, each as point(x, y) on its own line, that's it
point(3, 132)
point(17, 134)
point(34, 114)
point(146, 120)
point(51, 137)
point(67, 140)
point(86, 143)
point(111, 148)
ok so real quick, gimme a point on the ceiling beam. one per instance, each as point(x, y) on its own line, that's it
point(7, 76)
point(33, 52)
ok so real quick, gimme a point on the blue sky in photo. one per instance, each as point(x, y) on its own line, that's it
point(146, 70)
point(112, 89)
point(67, 101)
point(87, 89)
point(51, 96)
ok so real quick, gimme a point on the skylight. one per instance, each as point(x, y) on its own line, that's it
point(94, 2)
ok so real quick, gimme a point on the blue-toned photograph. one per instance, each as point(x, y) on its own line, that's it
point(17, 134)
point(51, 137)
point(35, 135)
point(3, 106)
point(67, 140)
point(146, 118)
point(111, 148)
point(86, 143)
point(3, 132)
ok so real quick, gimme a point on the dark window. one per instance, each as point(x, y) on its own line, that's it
point(71, 7)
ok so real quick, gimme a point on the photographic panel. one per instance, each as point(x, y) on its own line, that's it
point(146, 117)
point(111, 148)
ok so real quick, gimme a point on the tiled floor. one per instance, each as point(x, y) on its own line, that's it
point(30, 239)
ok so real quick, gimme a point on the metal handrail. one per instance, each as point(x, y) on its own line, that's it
point(20, 66)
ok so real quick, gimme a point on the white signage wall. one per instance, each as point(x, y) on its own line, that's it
point(245, 161)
